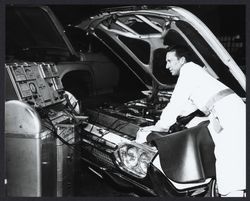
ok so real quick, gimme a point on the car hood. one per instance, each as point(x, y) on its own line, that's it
point(139, 36)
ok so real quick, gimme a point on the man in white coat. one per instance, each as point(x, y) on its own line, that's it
point(196, 89)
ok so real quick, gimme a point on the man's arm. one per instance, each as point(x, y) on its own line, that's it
point(178, 103)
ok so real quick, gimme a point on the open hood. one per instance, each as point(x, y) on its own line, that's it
point(139, 36)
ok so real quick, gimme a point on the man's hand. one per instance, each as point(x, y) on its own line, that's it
point(142, 133)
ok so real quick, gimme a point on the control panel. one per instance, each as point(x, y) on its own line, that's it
point(38, 90)
point(37, 84)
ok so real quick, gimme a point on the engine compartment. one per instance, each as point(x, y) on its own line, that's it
point(140, 112)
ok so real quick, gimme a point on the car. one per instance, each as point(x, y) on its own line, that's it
point(115, 84)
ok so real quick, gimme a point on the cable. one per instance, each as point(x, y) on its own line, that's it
point(54, 131)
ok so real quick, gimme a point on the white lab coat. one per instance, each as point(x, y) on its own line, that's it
point(193, 90)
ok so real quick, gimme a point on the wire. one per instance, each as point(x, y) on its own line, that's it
point(54, 129)
point(68, 141)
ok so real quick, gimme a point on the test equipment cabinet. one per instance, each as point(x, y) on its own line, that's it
point(37, 161)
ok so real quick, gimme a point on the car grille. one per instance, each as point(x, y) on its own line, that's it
point(98, 156)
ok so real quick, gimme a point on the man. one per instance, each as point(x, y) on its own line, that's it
point(196, 89)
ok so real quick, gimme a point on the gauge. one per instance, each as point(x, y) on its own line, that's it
point(24, 89)
point(33, 87)
point(29, 72)
point(19, 73)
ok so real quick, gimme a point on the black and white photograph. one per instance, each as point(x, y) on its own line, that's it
point(125, 100)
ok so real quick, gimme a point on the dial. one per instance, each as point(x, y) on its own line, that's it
point(33, 87)
point(19, 73)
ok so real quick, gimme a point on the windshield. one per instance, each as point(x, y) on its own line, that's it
point(30, 34)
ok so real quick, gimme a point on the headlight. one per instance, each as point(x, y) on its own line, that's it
point(144, 162)
point(134, 158)
point(131, 157)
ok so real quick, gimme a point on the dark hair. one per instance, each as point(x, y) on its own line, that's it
point(180, 51)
